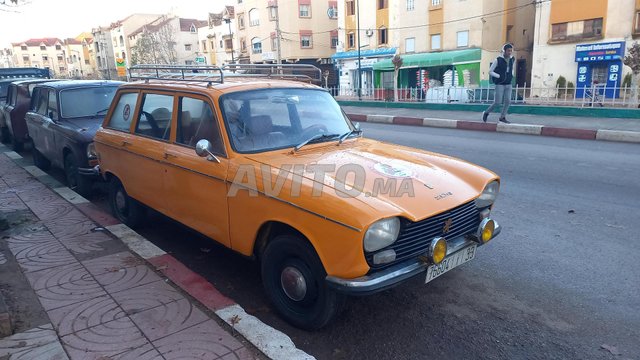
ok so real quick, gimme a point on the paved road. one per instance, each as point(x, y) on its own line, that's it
point(561, 281)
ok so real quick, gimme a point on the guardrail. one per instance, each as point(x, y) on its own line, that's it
point(594, 96)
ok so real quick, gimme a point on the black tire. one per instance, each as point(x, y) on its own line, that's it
point(16, 144)
point(75, 181)
point(126, 209)
point(5, 135)
point(312, 308)
point(39, 160)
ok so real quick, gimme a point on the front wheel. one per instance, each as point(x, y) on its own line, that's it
point(124, 208)
point(294, 280)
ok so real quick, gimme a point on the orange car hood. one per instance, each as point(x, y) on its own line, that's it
point(424, 183)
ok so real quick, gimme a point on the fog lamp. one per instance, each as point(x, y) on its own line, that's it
point(486, 229)
point(438, 250)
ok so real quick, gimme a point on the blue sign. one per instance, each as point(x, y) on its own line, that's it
point(600, 51)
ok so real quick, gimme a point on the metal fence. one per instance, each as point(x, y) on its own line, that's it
point(594, 96)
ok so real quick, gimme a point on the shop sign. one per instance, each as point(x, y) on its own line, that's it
point(600, 52)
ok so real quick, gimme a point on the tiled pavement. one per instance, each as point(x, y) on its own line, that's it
point(103, 301)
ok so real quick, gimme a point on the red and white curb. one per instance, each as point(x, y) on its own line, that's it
point(601, 134)
point(271, 342)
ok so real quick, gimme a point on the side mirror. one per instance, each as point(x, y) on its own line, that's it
point(204, 148)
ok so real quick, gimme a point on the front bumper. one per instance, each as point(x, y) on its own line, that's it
point(392, 276)
point(90, 172)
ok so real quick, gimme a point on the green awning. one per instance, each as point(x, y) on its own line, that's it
point(431, 59)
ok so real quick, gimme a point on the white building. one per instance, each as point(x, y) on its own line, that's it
point(218, 43)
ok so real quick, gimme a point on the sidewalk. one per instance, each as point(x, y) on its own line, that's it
point(105, 292)
point(612, 129)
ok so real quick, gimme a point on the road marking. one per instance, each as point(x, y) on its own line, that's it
point(273, 343)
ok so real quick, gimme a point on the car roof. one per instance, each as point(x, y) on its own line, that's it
point(231, 84)
point(65, 84)
point(33, 81)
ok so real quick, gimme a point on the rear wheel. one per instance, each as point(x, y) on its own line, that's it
point(124, 208)
point(294, 280)
point(75, 181)
point(39, 160)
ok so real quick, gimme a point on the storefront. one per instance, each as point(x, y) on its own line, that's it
point(427, 70)
point(600, 65)
point(346, 63)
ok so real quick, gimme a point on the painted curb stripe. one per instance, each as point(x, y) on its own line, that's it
point(519, 129)
point(382, 119)
point(13, 155)
point(441, 123)
point(135, 242)
point(618, 135)
point(569, 133)
point(474, 125)
point(401, 120)
point(33, 170)
point(70, 195)
point(272, 343)
point(357, 117)
point(191, 282)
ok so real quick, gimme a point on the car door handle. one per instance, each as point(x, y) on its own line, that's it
point(125, 143)
point(170, 154)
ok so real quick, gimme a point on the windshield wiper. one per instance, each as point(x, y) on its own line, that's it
point(315, 138)
point(344, 136)
point(103, 110)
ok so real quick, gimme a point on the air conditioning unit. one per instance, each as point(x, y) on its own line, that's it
point(369, 32)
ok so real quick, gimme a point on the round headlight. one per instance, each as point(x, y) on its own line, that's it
point(438, 250)
point(488, 195)
point(381, 234)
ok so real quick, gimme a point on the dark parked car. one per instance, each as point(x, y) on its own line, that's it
point(62, 122)
point(14, 110)
point(8, 76)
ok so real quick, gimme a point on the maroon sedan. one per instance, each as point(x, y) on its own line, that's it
point(14, 127)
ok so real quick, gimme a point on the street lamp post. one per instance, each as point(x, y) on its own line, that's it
point(228, 21)
point(359, 65)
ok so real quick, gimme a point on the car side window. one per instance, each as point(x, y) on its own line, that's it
point(154, 119)
point(41, 102)
point(11, 96)
point(196, 122)
point(122, 114)
point(52, 108)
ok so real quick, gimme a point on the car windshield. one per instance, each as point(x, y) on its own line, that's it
point(262, 120)
point(84, 102)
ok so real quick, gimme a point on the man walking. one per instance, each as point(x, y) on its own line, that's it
point(501, 73)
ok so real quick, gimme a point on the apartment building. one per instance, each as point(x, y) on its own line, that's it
point(302, 31)
point(166, 40)
point(89, 68)
point(6, 58)
point(442, 42)
point(46, 53)
point(584, 41)
point(120, 31)
point(104, 53)
point(217, 42)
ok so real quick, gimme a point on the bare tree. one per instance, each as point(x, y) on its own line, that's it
point(156, 44)
point(632, 60)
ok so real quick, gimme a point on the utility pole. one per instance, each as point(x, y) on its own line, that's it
point(279, 54)
point(228, 21)
point(359, 66)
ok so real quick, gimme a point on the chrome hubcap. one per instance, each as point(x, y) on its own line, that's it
point(121, 202)
point(293, 283)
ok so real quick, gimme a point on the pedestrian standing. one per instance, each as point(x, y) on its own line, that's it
point(501, 73)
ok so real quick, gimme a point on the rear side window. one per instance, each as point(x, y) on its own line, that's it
point(155, 116)
point(121, 117)
point(41, 102)
point(196, 122)
point(52, 111)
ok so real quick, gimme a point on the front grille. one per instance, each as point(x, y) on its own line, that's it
point(415, 237)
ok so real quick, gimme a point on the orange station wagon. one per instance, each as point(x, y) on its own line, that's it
point(270, 166)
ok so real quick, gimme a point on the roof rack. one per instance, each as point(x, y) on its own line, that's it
point(214, 74)
point(202, 73)
point(300, 72)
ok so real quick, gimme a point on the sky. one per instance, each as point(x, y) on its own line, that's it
point(68, 18)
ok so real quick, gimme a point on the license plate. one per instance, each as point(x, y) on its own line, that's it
point(452, 261)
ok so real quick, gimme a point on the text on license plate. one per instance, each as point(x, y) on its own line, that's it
point(451, 262)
